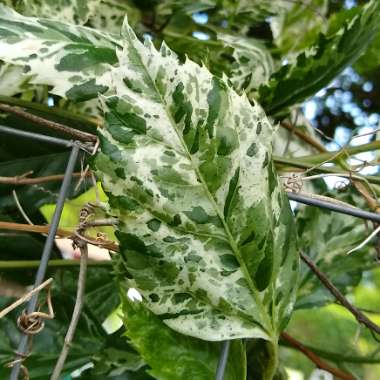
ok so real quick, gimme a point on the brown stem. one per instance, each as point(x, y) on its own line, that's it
point(79, 135)
point(316, 359)
point(308, 139)
point(23, 180)
point(32, 228)
point(112, 246)
point(360, 317)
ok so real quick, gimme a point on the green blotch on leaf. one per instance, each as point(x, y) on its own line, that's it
point(198, 215)
point(93, 56)
point(154, 225)
point(85, 91)
point(180, 297)
point(229, 262)
point(252, 150)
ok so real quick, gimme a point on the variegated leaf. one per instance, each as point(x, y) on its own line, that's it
point(71, 11)
point(318, 65)
point(75, 60)
point(253, 62)
point(206, 233)
point(12, 80)
point(109, 15)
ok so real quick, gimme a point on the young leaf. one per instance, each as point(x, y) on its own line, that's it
point(318, 66)
point(74, 60)
point(173, 356)
point(206, 233)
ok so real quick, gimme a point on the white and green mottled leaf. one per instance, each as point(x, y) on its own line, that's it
point(253, 62)
point(206, 233)
point(71, 11)
point(75, 60)
point(184, 357)
point(298, 24)
point(12, 80)
point(110, 14)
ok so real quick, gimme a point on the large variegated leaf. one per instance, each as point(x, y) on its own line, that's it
point(253, 62)
point(320, 64)
point(75, 60)
point(206, 234)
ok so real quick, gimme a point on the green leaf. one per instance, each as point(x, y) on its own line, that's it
point(318, 66)
point(253, 62)
point(172, 356)
point(91, 343)
point(206, 233)
point(75, 60)
point(370, 60)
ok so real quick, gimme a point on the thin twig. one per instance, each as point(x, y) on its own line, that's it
point(24, 298)
point(111, 245)
point(35, 228)
point(56, 111)
point(360, 317)
point(308, 139)
point(79, 135)
point(18, 204)
point(365, 241)
point(58, 263)
point(24, 180)
point(316, 359)
point(76, 313)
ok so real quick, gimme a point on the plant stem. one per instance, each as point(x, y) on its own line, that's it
point(336, 357)
point(303, 136)
point(322, 157)
point(360, 317)
point(24, 180)
point(76, 314)
point(271, 368)
point(316, 359)
point(75, 133)
point(58, 263)
point(297, 163)
point(28, 228)
point(56, 111)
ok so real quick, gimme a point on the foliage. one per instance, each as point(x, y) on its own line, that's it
point(205, 231)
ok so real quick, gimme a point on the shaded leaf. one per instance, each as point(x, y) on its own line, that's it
point(319, 65)
point(173, 356)
point(327, 237)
